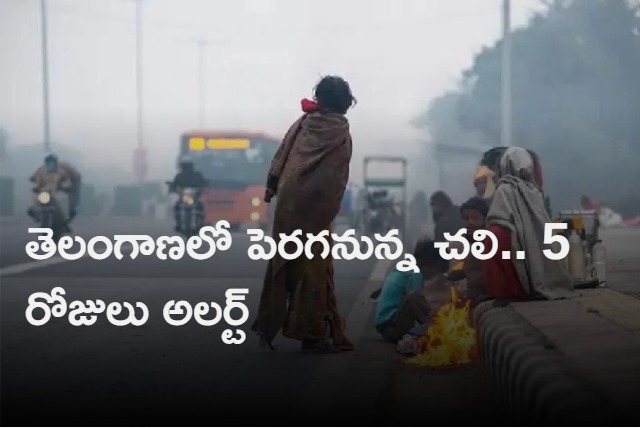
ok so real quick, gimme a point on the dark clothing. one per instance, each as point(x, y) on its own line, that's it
point(448, 222)
point(308, 175)
point(414, 308)
point(198, 208)
point(198, 212)
point(475, 275)
point(501, 277)
point(189, 179)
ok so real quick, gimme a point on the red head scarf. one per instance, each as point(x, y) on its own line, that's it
point(309, 106)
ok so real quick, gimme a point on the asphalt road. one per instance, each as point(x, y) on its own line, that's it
point(159, 372)
point(161, 375)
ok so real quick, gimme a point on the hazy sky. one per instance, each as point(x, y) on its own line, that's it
point(264, 56)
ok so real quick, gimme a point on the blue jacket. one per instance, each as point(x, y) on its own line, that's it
point(397, 286)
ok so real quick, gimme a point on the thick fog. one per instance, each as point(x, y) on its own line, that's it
point(262, 57)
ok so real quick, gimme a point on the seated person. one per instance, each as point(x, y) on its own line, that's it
point(402, 303)
point(188, 177)
point(517, 218)
point(474, 212)
point(446, 216)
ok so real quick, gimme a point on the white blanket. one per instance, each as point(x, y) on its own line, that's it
point(518, 206)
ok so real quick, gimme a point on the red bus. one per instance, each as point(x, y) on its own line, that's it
point(236, 164)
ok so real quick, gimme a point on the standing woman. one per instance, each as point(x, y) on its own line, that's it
point(308, 175)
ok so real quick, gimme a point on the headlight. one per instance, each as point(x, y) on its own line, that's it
point(255, 202)
point(44, 198)
point(187, 199)
point(255, 216)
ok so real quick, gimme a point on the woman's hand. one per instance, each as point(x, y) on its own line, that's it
point(272, 185)
point(269, 194)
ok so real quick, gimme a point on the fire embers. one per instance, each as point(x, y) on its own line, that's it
point(450, 341)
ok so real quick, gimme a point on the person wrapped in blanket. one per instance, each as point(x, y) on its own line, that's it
point(401, 302)
point(517, 218)
point(487, 174)
point(308, 177)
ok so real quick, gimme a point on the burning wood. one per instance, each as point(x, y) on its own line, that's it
point(450, 340)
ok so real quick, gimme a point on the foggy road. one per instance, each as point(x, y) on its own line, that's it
point(185, 371)
point(130, 93)
point(155, 364)
point(188, 371)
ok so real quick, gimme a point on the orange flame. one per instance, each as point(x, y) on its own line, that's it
point(450, 340)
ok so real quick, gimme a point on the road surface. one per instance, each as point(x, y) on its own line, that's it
point(158, 374)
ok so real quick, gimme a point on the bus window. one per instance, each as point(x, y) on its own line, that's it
point(254, 156)
point(247, 165)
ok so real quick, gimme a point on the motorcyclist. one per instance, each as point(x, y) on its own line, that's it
point(381, 202)
point(54, 176)
point(188, 176)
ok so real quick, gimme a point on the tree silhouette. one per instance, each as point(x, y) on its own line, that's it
point(575, 96)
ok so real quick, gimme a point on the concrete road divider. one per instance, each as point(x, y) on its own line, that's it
point(570, 361)
point(127, 201)
point(7, 196)
point(151, 190)
point(89, 203)
point(163, 211)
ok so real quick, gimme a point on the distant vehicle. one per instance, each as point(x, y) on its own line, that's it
point(380, 213)
point(49, 213)
point(189, 216)
point(236, 164)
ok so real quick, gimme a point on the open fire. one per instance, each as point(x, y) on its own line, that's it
point(450, 340)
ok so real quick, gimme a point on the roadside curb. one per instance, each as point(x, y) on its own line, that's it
point(334, 369)
point(537, 383)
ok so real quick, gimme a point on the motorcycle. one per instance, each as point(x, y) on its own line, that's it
point(189, 215)
point(380, 213)
point(49, 214)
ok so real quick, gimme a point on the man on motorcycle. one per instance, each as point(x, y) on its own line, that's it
point(380, 214)
point(187, 177)
point(57, 176)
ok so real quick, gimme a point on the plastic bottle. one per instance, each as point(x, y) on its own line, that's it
point(577, 262)
point(599, 255)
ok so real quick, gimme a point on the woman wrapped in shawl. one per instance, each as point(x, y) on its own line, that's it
point(486, 174)
point(517, 218)
point(308, 176)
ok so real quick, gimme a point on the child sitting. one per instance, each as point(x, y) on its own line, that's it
point(474, 212)
point(401, 303)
